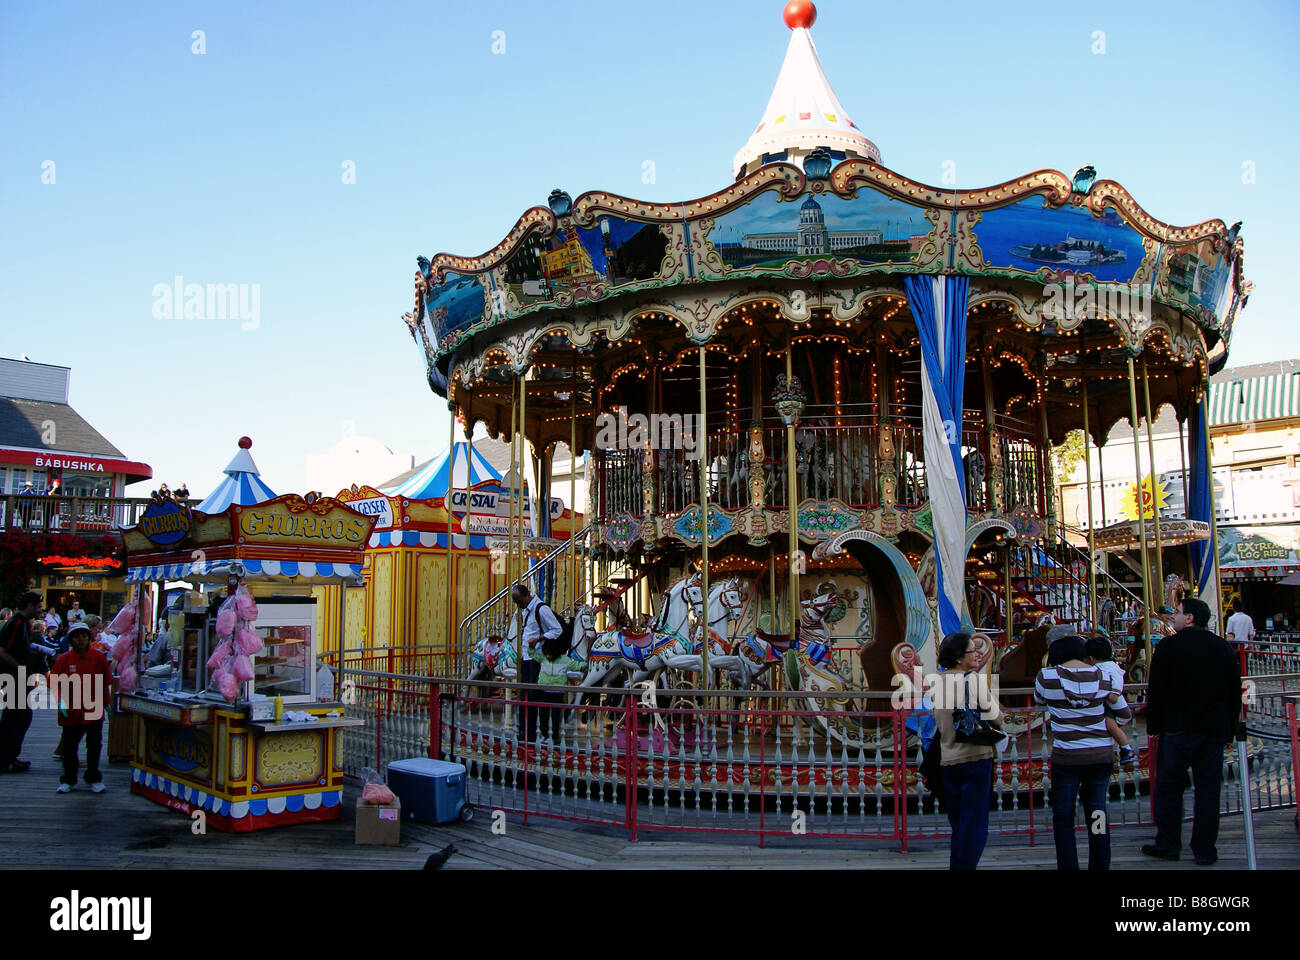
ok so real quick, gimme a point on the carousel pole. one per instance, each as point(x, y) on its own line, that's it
point(1217, 609)
point(463, 576)
point(523, 567)
point(510, 521)
point(1155, 479)
point(1092, 543)
point(772, 624)
point(573, 491)
point(1142, 523)
point(792, 503)
point(446, 504)
point(1010, 605)
point(705, 677)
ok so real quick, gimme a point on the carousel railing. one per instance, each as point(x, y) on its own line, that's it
point(494, 616)
point(837, 456)
point(758, 762)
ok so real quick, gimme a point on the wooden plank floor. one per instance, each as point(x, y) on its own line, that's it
point(118, 830)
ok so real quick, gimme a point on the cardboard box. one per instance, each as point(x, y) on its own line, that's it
point(379, 825)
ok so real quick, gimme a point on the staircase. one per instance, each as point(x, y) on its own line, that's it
point(1052, 578)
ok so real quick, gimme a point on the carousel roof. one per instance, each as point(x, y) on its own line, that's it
point(445, 473)
point(803, 111)
point(243, 484)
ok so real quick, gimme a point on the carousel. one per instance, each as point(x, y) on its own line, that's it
point(819, 406)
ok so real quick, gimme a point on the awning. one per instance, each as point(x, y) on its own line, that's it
point(1256, 398)
point(219, 570)
point(424, 538)
point(243, 484)
point(435, 478)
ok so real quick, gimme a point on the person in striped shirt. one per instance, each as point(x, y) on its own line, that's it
point(1079, 696)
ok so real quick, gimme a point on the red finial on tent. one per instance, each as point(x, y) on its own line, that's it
point(800, 13)
point(245, 443)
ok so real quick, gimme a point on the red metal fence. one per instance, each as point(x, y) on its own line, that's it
point(758, 764)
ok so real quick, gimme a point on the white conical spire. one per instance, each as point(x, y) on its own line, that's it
point(803, 111)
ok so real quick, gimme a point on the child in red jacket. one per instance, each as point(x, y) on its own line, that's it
point(80, 680)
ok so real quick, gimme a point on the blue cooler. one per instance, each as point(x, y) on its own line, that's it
point(431, 791)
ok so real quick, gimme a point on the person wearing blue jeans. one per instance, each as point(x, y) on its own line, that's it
point(966, 790)
point(1088, 784)
point(966, 769)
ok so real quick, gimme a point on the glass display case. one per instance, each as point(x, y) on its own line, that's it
point(285, 667)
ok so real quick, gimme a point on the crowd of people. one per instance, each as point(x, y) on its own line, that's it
point(36, 640)
point(1193, 703)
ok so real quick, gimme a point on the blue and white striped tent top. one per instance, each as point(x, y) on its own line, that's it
point(242, 486)
point(435, 478)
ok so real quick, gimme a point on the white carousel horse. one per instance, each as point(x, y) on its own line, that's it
point(754, 655)
point(725, 604)
point(495, 656)
point(620, 650)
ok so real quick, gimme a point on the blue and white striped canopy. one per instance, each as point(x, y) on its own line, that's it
point(425, 538)
point(242, 486)
point(248, 569)
point(436, 477)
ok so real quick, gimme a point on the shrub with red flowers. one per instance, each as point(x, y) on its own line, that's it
point(20, 556)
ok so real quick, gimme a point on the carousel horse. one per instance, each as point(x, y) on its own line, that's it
point(725, 604)
point(495, 656)
point(624, 650)
point(756, 654)
point(1017, 668)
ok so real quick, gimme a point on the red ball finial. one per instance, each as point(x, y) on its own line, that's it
point(245, 443)
point(800, 13)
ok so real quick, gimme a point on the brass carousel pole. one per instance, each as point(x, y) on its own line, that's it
point(463, 575)
point(446, 504)
point(1217, 609)
point(1155, 481)
point(705, 676)
point(510, 521)
point(573, 492)
point(792, 503)
point(1092, 543)
point(1142, 523)
point(523, 452)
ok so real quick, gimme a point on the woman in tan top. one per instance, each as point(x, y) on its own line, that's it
point(967, 768)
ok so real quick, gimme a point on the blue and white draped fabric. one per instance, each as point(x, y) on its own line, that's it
point(425, 538)
point(160, 572)
point(938, 305)
point(1201, 506)
point(438, 476)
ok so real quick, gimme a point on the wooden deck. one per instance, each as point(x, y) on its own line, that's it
point(118, 830)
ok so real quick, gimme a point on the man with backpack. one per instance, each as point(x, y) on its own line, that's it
point(537, 622)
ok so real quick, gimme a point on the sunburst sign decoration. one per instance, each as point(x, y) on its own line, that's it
point(1129, 504)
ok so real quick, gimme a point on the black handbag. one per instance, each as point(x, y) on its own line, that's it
point(969, 727)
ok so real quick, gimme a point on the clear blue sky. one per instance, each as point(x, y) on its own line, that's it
point(226, 168)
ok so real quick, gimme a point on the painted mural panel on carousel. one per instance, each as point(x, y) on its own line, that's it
point(454, 305)
point(1201, 277)
point(1029, 235)
point(615, 251)
point(766, 233)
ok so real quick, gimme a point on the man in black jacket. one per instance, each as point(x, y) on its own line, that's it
point(1193, 702)
point(15, 718)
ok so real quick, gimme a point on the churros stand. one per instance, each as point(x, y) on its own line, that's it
point(272, 755)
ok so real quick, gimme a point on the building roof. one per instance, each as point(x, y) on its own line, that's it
point(803, 111)
point(243, 483)
point(1259, 391)
point(495, 452)
point(26, 423)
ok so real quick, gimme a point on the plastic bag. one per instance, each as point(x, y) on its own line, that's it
point(124, 623)
point(220, 655)
point(242, 668)
point(374, 789)
point(245, 604)
point(126, 680)
point(123, 647)
point(226, 619)
point(249, 642)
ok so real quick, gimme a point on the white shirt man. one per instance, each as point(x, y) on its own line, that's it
point(1240, 627)
point(52, 620)
point(76, 614)
point(539, 621)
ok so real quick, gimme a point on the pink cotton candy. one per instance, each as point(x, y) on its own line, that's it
point(226, 621)
point(124, 622)
point(220, 655)
point(249, 642)
point(246, 605)
point(243, 668)
point(126, 679)
point(122, 648)
point(228, 686)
